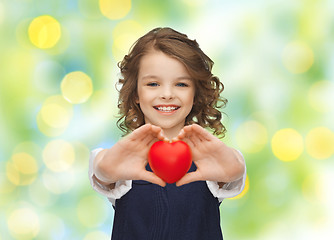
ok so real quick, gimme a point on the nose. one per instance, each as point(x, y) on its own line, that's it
point(167, 93)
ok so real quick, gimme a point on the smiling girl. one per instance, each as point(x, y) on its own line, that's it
point(168, 93)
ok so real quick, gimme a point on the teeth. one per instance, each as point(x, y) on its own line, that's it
point(166, 109)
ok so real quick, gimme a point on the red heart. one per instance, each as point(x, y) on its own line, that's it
point(170, 161)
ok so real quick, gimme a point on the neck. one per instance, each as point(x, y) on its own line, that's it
point(170, 133)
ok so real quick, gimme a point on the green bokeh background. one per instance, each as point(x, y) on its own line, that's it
point(254, 45)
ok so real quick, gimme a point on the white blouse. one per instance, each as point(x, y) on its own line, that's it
point(229, 190)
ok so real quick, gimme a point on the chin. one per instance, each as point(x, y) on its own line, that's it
point(169, 125)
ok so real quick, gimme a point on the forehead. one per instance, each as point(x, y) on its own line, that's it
point(158, 63)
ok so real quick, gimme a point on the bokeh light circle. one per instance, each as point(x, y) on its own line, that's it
point(6, 185)
point(321, 97)
point(58, 155)
point(23, 223)
point(54, 116)
point(287, 144)
point(320, 143)
point(91, 211)
point(76, 87)
point(251, 136)
point(44, 31)
point(28, 147)
point(82, 153)
point(25, 163)
point(313, 188)
point(58, 182)
point(40, 195)
point(13, 174)
point(124, 36)
point(46, 129)
point(244, 191)
point(297, 57)
point(22, 169)
point(115, 9)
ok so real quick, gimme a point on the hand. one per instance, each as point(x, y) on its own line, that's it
point(127, 159)
point(214, 160)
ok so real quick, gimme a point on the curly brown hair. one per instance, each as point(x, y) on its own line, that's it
point(177, 45)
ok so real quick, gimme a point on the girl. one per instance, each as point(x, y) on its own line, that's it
point(168, 93)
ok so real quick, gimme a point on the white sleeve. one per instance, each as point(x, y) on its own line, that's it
point(121, 187)
point(230, 189)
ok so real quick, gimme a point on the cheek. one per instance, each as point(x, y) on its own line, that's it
point(139, 95)
point(193, 93)
point(190, 101)
point(192, 97)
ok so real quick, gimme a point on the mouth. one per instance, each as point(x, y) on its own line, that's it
point(166, 108)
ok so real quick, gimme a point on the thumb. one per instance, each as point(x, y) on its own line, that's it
point(188, 178)
point(151, 177)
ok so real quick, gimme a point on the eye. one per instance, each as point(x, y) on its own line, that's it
point(181, 84)
point(152, 84)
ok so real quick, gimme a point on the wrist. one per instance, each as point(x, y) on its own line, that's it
point(109, 185)
point(102, 170)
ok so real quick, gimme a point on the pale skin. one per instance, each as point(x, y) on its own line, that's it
point(215, 161)
point(164, 81)
point(127, 158)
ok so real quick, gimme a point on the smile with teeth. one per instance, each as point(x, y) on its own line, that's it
point(166, 108)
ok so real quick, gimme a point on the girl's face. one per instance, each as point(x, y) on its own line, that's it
point(165, 92)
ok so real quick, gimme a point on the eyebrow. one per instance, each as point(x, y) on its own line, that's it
point(149, 76)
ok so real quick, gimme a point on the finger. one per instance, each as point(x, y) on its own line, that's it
point(196, 131)
point(175, 139)
point(205, 135)
point(149, 140)
point(155, 130)
point(188, 130)
point(199, 135)
point(158, 133)
point(185, 132)
point(162, 137)
point(189, 177)
point(151, 177)
point(154, 140)
point(152, 134)
point(189, 142)
point(195, 139)
point(180, 136)
point(140, 133)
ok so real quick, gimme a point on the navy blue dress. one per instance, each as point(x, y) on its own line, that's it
point(151, 212)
